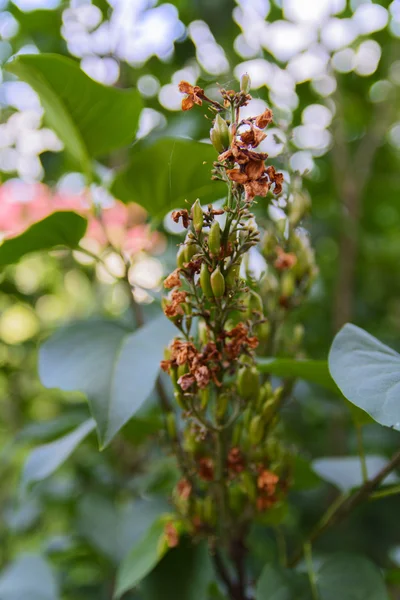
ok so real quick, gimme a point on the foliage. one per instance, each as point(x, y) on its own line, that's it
point(81, 325)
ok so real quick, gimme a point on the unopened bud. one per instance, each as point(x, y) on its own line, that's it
point(217, 283)
point(197, 216)
point(245, 83)
point(171, 425)
point(180, 257)
point(232, 276)
point(268, 244)
point(299, 207)
point(248, 382)
point(262, 331)
point(222, 405)
point(202, 330)
point(268, 410)
point(204, 395)
point(214, 239)
point(205, 281)
point(256, 430)
point(216, 140)
point(288, 284)
point(253, 303)
point(190, 251)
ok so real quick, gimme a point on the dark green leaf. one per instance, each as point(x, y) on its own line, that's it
point(368, 374)
point(168, 173)
point(345, 472)
point(46, 459)
point(90, 118)
point(277, 583)
point(115, 368)
point(186, 569)
point(58, 229)
point(350, 577)
point(314, 371)
point(142, 558)
point(29, 576)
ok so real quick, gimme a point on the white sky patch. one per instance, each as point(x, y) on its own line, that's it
point(338, 33)
point(302, 162)
point(324, 86)
point(284, 39)
point(308, 65)
point(317, 114)
point(274, 143)
point(344, 61)
point(369, 18)
point(367, 58)
point(259, 69)
point(315, 11)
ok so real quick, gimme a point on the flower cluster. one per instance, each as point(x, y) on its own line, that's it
point(234, 466)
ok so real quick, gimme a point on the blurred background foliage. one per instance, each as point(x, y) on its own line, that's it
point(330, 70)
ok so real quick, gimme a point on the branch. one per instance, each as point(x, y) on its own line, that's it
point(345, 505)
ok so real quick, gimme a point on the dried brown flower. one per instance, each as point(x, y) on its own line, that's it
point(276, 178)
point(173, 280)
point(265, 119)
point(236, 460)
point(253, 137)
point(202, 375)
point(174, 308)
point(206, 468)
point(181, 214)
point(171, 535)
point(184, 489)
point(186, 381)
point(267, 482)
point(194, 95)
point(284, 260)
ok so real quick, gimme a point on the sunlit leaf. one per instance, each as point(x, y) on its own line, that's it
point(169, 174)
point(44, 460)
point(58, 229)
point(115, 368)
point(90, 118)
point(368, 374)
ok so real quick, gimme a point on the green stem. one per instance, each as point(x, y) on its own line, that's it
point(389, 491)
point(310, 570)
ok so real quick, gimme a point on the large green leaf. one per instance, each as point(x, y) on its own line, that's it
point(115, 368)
point(112, 528)
point(29, 576)
point(345, 472)
point(350, 577)
point(46, 459)
point(186, 569)
point(171, 173)
point(90, 118)
point(58, 229)
point(142, 558)
point(368, 374)
point(314, 371)
point(277, 583)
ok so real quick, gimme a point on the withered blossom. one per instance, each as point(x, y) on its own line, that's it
point(284, 260)
point(267, 482)
point(206, 468)
point(263, 120)
point(184, 489)
point(186, 381)
point(276, 178)
point(181, 214)
point(174, 307)
point(236, 462)
point(171, 535)
point(173, 280)
point(194, 95)
point(240, 341)
point(253, 137)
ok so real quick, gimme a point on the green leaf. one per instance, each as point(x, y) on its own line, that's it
point(113, 528)
point(45, 459)
point(58, 229)
point(345, 472)
point(115, 368)
point(277, 583)
point(314, 371)
point(368, 374)
point(90, 118)
point(169, 174)
point(29, 576)
point(142, 558)
point(186, 569)
point(350, 577)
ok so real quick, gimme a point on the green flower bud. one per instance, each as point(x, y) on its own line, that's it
point(288, 284)
point(253, 303)
point(248, 382)
point(204, 395)
point(190, 251)
point(219, 134)
point(180, 400)
point(268, 244)
point(222, 405)
point(265, 394)
point(232, 276)
point(205, 281)
point(268, 410)
point(281, 226)
point(180, 257)
point(217, 283)
point(249, 485)
point(197, 216)
point(214, 239)
point(171, 425)
point(299, 207)
point(216, 140)
point(256, 430)
point(245, 83)
point(202, 330)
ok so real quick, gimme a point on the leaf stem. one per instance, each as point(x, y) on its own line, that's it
point(310, 570)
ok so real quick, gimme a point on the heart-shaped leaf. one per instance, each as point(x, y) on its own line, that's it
point(46, 459)
point(345, 472)
point(171, 173)
point(368, 374)
point(58, 229)
point(115, 368)
point(90, 118)
point(350, 577)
